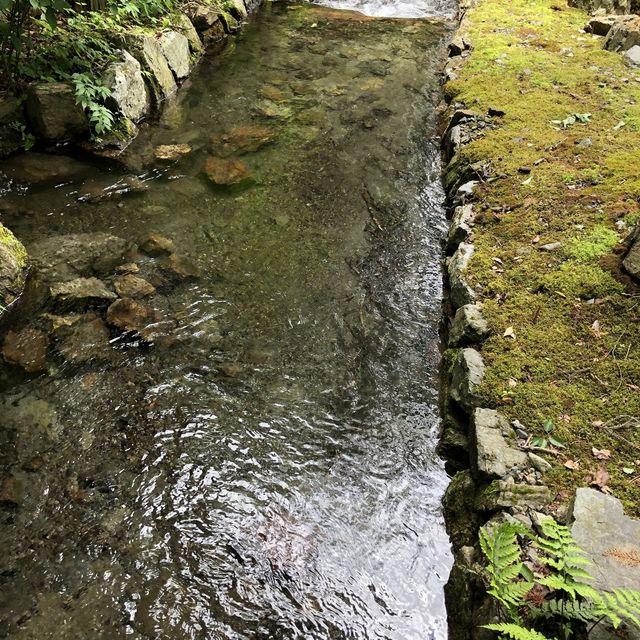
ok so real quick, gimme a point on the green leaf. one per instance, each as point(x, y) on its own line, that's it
point(557, 442)
point(548, 426)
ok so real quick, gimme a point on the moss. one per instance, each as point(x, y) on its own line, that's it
point(574, 360)
point(14, 245)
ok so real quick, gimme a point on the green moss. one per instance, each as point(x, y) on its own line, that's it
point(14, 245)
point(598, 242)
point(577, 280)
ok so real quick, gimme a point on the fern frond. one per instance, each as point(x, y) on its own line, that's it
point(569, 610)
point(515, 631)
point(625, 603)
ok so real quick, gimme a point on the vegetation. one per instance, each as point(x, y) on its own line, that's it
point(572, 118)
point(549, 596)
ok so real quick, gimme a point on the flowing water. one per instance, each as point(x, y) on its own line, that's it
point(262, 463)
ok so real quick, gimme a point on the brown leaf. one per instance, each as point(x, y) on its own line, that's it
point(601, 454)
point(574, 465)
point(595, 330)
point(600, 480)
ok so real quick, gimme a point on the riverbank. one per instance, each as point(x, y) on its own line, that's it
point(543, 364)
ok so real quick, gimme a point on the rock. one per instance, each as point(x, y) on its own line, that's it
point(453, 445)
point(229, 23)
point(34, 167)
point(458, 506)
point(608, 6)
point(465, 191)
point(238, 10)
point(156, 245)
point(551, 246)
point(505, 494)
point(27, 348)
point(183, 25)
point(241, 140)
point(149, 54)
point(458, 46)
point(223, 172)
point(80, 293)
point(203, 17)
point(128, 314)
point(539, 463)
point(12, 118)
point(61, 258)
point(632, 56)
point(600, 25)
point(179, 268)
point(609, 538)
point(11, 492)
point(83, 339)
point(13, 268)
point(468, 373)
point(460, 228)
point(452, 142)
point(129, 93)
point(98, 189)
point(53, 112)
point(129, 286)
point(624, 34)
point(130, 267)
point(461, 115)
point(468, 326)
point(494, 112)
point(175, 48)
point(461, 292)
point(214, 34)
point(172, 151)
point(492, 456)
point(631, 261)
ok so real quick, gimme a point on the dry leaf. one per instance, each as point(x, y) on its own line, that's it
point(600, 480)
point(572, 464)
point(565, 418)
point(601, 454)
point(597, 423)
point(513, 383)
point(509, 333)
point(595, 330)
point(535, 240)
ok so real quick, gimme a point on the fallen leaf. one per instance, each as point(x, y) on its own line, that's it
point(509, 333)
point(600, 480)
point(535, 240)
point(512, 383)
point(565, 418)
point(597, 423)
point(572, 464)
point(595, 330)
point(601, 454)
point(628, 470)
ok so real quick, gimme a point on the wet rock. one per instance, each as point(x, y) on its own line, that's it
point(452, 141)
point(624, 34)
point(27, 348)
point(130, 286)
point(240, 140)
point(80, 293)
point(178, 268)
point(156, 245)
point(13, 268)
point(460, 228)
point(128, 314)
point(183, 25)
point(172, 151)
point(468, 326)
point(506, 494)
point(98, 190)
point(149, 54)
point(461, 292)
point(83, 339)
point(600, 25)
point(11, 492)
point(229, 23)
point(609, 538)
point(238, 10)
point(214, 34)
point(269, 109)
point(12, 117)
point(62, 258)
point(227, 172)
point(53, 112)
point(175, 48)
point(453, 445)
point(607, 6)
point(632, 56)
point(467, 376)
point(458, 506)
point(36, 168)
point(272, 93)
point(129, 93)
point(130, 267)
point(492, 456)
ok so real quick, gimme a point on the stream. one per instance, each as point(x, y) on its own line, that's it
point(256, 460)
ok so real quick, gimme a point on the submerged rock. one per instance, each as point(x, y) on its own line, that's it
point(241, 140)
point(156, 245)
point(27, 348)
point(129, 93)
point(128, 314)
point(227, 173)
point(178, 268)
point(172, 151)
point(82, 338)
point(35, 168)
point(81, 292)
point(130, 286)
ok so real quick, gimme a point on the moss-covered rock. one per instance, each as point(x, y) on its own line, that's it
point(13, 268)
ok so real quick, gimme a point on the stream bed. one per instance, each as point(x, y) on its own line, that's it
point(253, 457)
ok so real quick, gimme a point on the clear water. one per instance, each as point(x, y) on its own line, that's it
point(267, 469)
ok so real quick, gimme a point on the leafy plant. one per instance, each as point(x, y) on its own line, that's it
point(549, 438)
point(569, 603)
point(90, 93)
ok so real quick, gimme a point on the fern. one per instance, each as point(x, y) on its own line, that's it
point(515, 631)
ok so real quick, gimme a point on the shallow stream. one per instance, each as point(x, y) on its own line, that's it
point(261, 462)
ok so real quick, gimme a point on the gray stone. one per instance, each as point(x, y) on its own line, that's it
point(61, 258)
point(550, 246)
point(175, 48)
point(503, 494)
point(458, 45)
point(465, 191)
point(468, 373)
point(460, 228)
point(13, 268)
point(609, 538)
point(492, 456)
point(203, 17)
point(632, 56)
point(238, 10)
point(149, 54)
point(600, 25)
point(624, 34)
point(54, 113)
point(539, 463)
point(183, 25)
point(81, 292)
point(468, 327)
point(461, 292)
point(608, 6)
point(631, 261)
point(129, 94)
point(452, 142)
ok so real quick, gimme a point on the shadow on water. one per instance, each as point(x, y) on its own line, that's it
point(262, 464)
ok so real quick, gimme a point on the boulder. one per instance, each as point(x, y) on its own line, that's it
point(241, 140)
point(82, 338)
point(80, 293)
point(458, 507)
point(147, 51)
point(177, 268)
point(130, 286)
point(600, 25)
point(619, 7)
point(461, 292)
point(214, 34)
point(65, 257)
point(175, 48)
point(506, 494)
point(226, 172)
point(183, 25)
point(624, 34)
point(467, 376)
point(156, 245)
point(237, 8)
point(468, 326)
point(27, 348)
point(54, 113)
point(129, 93)
point(492, 456)
point(13, 268)
point(631, 261)
point(632, 56)
point(128, 314)
point(460, 227)
point(12, 119)
point(203, 17)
